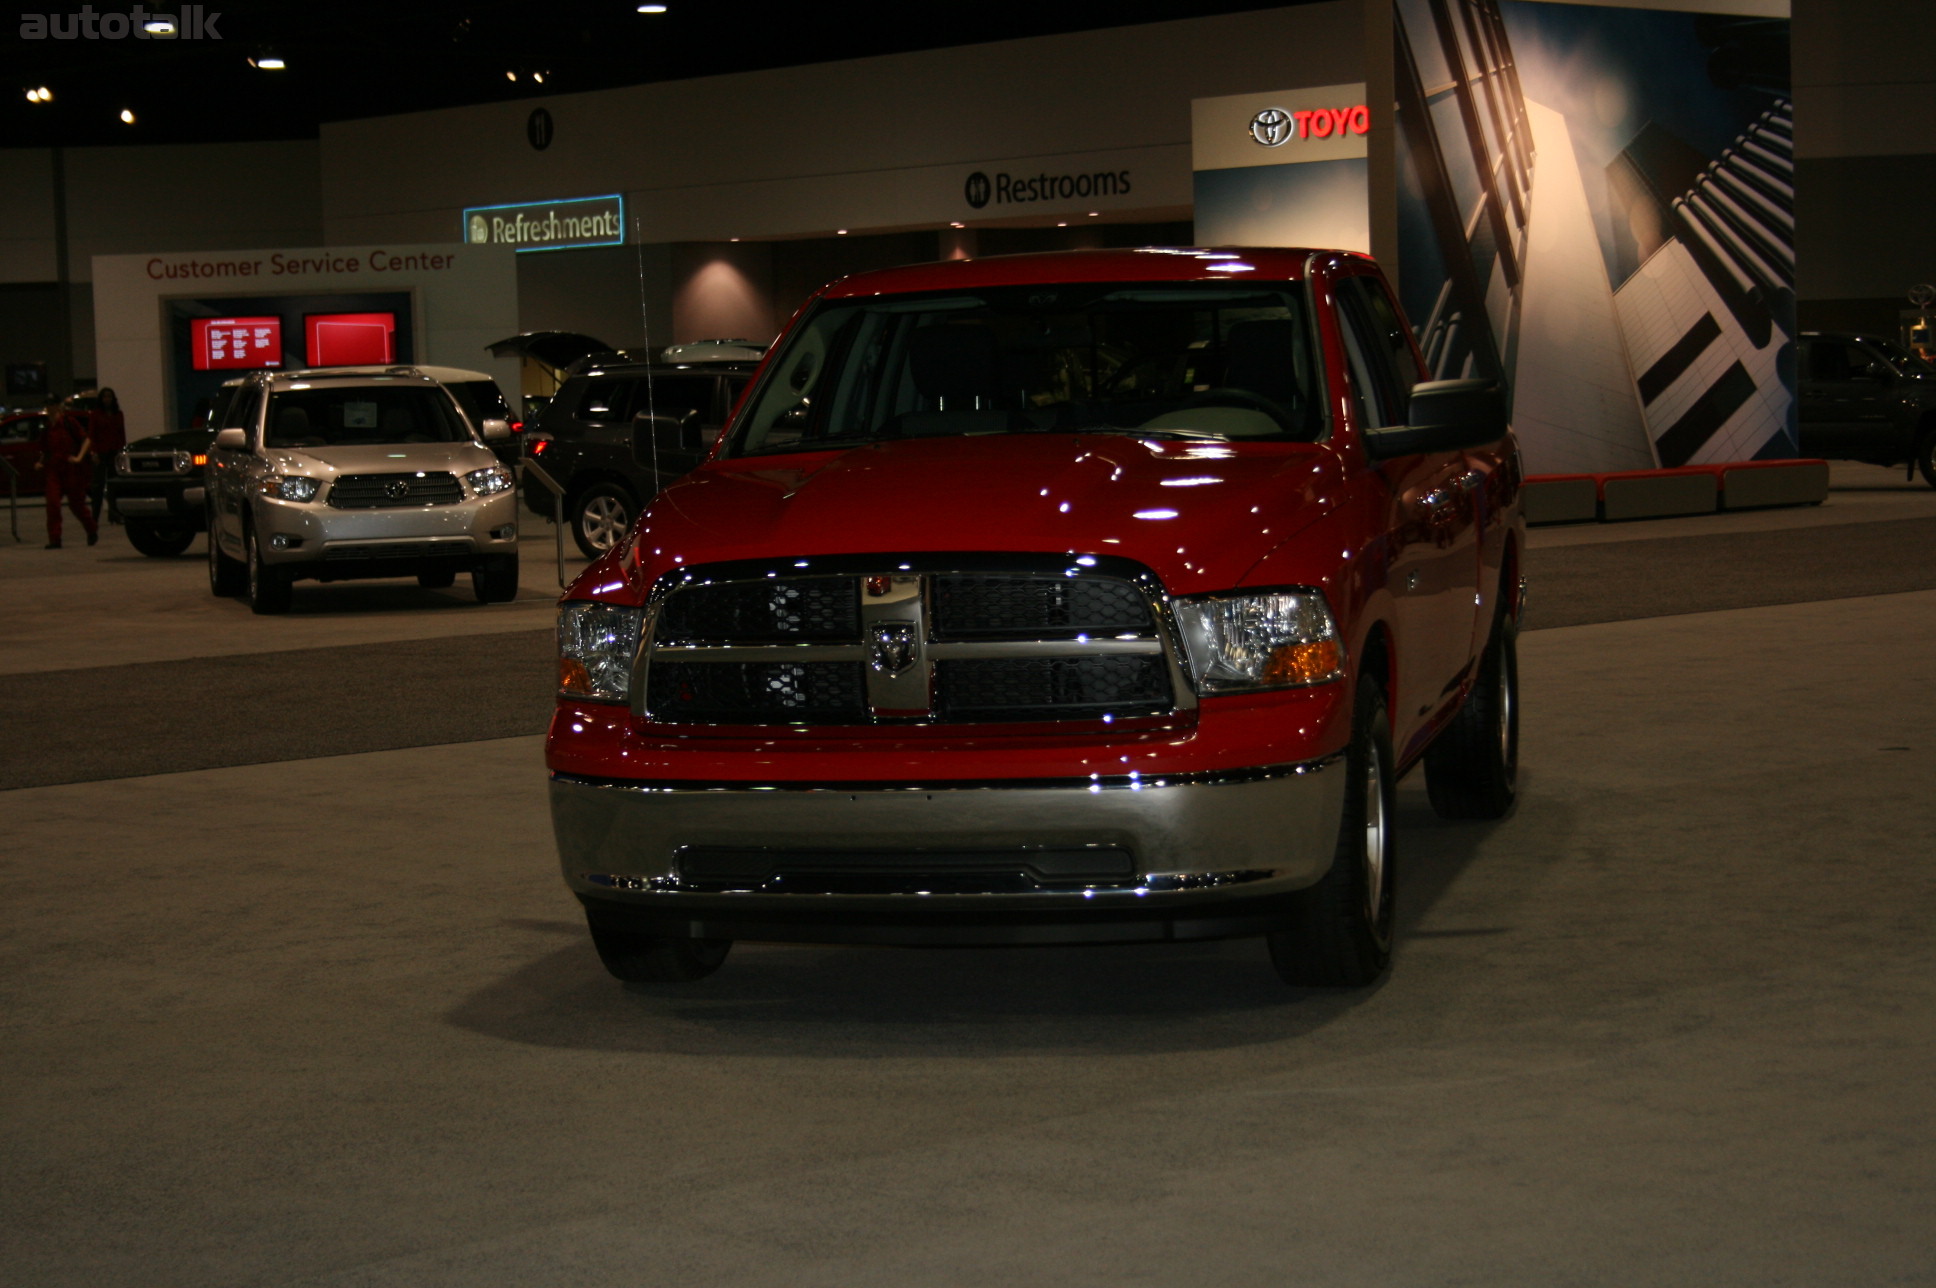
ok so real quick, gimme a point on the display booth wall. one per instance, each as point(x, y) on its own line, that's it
point(448, 302)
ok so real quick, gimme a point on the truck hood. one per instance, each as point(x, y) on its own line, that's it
point(379, 458)
point(1199, 514)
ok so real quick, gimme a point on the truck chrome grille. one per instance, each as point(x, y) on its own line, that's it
point(1025, 688)
point(794, 609)
point(758, 692)
point(966, 606)
point(736, 646)
point(395, 491)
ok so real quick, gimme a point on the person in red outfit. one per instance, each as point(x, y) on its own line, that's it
point(109, 430)
point(65, 446)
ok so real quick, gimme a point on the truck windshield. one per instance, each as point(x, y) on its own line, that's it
point(362, 415)
point(1212, 360)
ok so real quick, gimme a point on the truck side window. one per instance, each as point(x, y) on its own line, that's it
point(1373, 394)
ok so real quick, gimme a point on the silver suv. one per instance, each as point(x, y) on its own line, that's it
point(334, 475)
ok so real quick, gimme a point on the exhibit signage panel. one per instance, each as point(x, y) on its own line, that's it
point(1284, 168)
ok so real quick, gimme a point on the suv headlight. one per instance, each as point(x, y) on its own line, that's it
point(596, 643)
point(121, 465)
point(290, 487)
point(1275, 639)
point(184, 462)
point(490, 480)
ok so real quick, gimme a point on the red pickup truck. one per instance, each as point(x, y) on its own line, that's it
point(1073, 598)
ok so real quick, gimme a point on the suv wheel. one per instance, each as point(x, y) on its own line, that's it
point(496, 579)
point(268, 587)
point(159, 540)
point(600, 516)
point(224, 574)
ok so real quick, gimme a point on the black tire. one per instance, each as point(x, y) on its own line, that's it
point(437, 579)
point(1340, 931)
point(226, 577)
point(268, 587)
point(1472, 767)
point(495, 581)
point(159, 540)
point(1926, 457)
point(600, 516)
point(645, 959)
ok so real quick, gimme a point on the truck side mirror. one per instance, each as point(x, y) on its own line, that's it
point(1445, 416)
point(232, 440)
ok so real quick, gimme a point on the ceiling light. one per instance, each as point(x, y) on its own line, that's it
point(1094, 213)
point(840, 232)
point(652, 8)
point(1063, 224)
point(956, 224)
point(538, 77)
point(127, 117)
point(160, 24)
point(268, 62)
point(510, 76)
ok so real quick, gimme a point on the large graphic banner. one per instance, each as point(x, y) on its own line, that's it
point(1598, 204)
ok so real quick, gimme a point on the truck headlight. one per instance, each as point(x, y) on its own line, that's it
point(596, 643)
point(1275, 639)
point(290, 487)
point(490, 480)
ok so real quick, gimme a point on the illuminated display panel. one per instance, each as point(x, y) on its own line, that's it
point(350, 339)
point(235, 344)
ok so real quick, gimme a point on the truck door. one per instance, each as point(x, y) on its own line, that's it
point(1845, 403)
point(1433, 572)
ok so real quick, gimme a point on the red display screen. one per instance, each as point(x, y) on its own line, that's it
point(235, 344)
point(351, 339)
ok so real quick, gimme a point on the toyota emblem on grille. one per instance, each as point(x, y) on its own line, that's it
point(397, 489)
point(890, 650)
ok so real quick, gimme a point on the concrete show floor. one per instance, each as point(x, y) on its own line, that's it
point(335, 1021)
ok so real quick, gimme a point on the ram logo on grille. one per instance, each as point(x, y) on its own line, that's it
point(891, 649)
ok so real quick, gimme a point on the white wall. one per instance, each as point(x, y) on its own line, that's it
point(27, 233)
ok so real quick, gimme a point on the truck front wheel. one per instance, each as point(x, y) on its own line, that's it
point(647, 959)
point(1340, 934)
point(159, 540)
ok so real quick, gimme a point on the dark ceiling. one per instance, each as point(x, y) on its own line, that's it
point(348, 60)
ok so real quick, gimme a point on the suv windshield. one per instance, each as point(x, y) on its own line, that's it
point(1903, 358)
point(1213, 359)
point(357, 415)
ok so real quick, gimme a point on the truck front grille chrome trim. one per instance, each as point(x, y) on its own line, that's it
point(1093, 782)
point(1057, 621)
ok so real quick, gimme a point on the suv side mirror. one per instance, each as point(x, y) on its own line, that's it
point(232, 440)
point(1445, 416)
point(496, 428)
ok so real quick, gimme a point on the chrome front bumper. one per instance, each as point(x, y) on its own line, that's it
point(1204, 852)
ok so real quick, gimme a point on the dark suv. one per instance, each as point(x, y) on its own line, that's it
point(1867, 399)
point(618, 432)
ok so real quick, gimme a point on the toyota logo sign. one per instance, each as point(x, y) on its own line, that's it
point(1271, 127)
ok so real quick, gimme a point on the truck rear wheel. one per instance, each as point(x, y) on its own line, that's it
point(647, 959)
point(1340, 935)
point(1472, 767)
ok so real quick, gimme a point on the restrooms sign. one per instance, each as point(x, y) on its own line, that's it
point(548, 225)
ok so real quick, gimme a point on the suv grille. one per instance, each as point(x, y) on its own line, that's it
point(395, 491)
point(955, 647)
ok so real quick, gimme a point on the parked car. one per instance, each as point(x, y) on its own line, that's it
point(1864, 398)
point(614, 435)
point(20, 436)
point(1090, 597)
point(331, 475)
point(158, 490)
